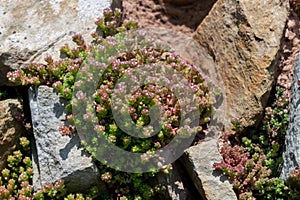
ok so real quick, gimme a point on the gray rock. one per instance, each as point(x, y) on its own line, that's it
point(291, 154)
point(210, 183)
point(29, 30)
point(178, 185)
point(56, 156)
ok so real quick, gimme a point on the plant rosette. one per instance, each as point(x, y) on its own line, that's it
point(146, 109)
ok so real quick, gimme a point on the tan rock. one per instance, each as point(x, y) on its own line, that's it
point(10, 128)
point(244, 37)
point(177, 15)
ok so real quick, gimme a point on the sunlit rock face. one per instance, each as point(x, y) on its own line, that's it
point(29, 30)
point(244, 39)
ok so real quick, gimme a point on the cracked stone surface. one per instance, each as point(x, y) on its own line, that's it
point(291, 155)
point(31, 29)
point(245, 49)
point(210, 183)
point(55, 156)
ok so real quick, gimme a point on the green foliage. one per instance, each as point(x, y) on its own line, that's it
point(251, 160)
point(274, 129)
point(61, 75)
point(294, 180)
point(268, 142)
point(16, 179)
point(3, 95)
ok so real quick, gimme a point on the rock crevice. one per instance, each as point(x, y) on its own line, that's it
point(291, 154)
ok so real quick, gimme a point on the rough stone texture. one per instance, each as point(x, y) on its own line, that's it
point(56, 156)
point(210, 183)
point(291, 154)
point(177, 15)
point(31, 29)
point(178, 185)
point(179, 2)
point(244, 37)
point(10, 128)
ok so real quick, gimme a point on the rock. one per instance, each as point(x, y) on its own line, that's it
point(177, 15)
point(178, 185)
point(29, 30)
point(10, 128)
point(56, 156)
point(211, 184)
point(291, 154)
point(244, 38)
point(180, 2)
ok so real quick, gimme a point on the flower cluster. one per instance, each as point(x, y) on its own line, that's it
point(139, 106)
point(61, 75)
point(294, 180)
point(251, 160)
point(16, 180)
point(110, 24)
point(145, 97)
point(247, 172)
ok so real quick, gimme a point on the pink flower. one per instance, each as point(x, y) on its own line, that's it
point(67, 90)
point(78, 83)
point(64, 131)
point(107, 11)
point(80, 95)
point(57, 84)
point(99, 128)
point(87, 116)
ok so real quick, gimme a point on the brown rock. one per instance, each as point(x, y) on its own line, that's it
point(180, 2)
point(177, 15)
point(10, 128)
point(244, 38)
